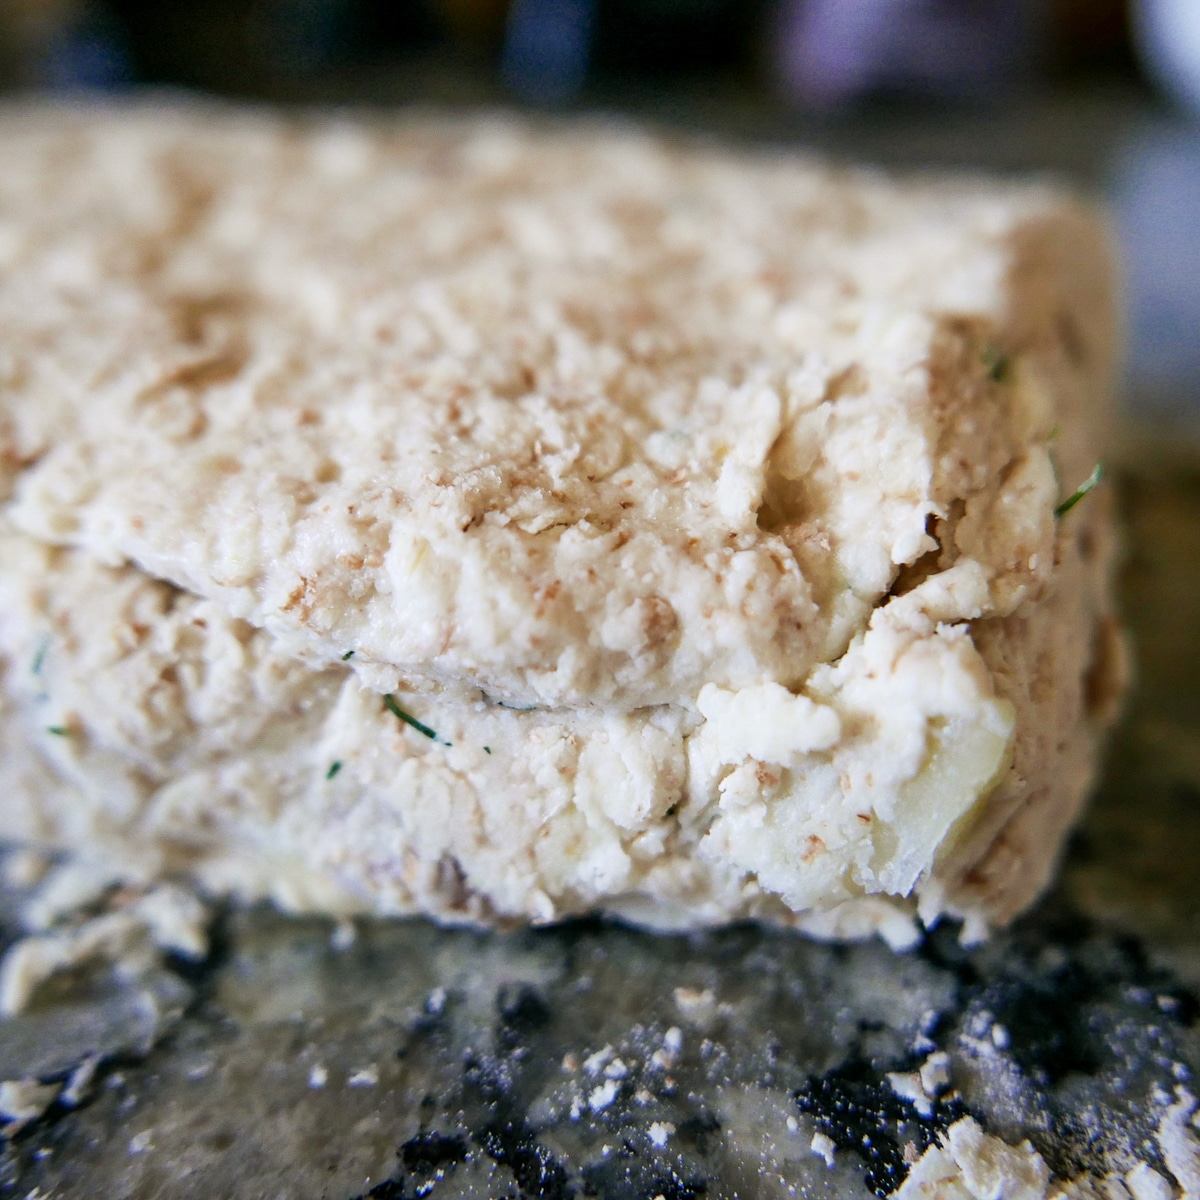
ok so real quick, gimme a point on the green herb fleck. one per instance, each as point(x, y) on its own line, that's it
point(348, 656)
point(334, 768)
point(396, 711)
point(58, 730)
point(1054, 433)
point(996, 364)
point(1088, 485)
point(40, 657)
point(487, 749)
point(517, 707)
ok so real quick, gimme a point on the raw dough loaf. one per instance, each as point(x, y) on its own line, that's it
point(500, 522)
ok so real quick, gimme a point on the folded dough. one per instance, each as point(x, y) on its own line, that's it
point(504, 522)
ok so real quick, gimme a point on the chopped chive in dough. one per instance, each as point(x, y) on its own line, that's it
point(397, 711)
point(58, 730)
point(40, 657)
point(487, 749)
point(997, 364)
point(348, 656)
point(1088, 485)
point(334, 768)
point(1054, 433)
point(517, 707)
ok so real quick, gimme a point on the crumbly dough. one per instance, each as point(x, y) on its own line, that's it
point(696, 508)
point(968, 1164)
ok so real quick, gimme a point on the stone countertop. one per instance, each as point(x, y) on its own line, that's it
point(594, 1060)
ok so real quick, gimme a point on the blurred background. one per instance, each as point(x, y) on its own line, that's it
point(1106, 92)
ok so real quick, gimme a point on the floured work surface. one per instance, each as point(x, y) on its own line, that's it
point(498, 524)
point(399, 1059)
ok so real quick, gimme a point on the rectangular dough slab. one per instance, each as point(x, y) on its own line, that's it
point(503, 522)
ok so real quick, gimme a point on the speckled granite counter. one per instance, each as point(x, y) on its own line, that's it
point(594, 1060)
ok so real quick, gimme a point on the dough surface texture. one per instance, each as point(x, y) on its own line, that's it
point(504, 522)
